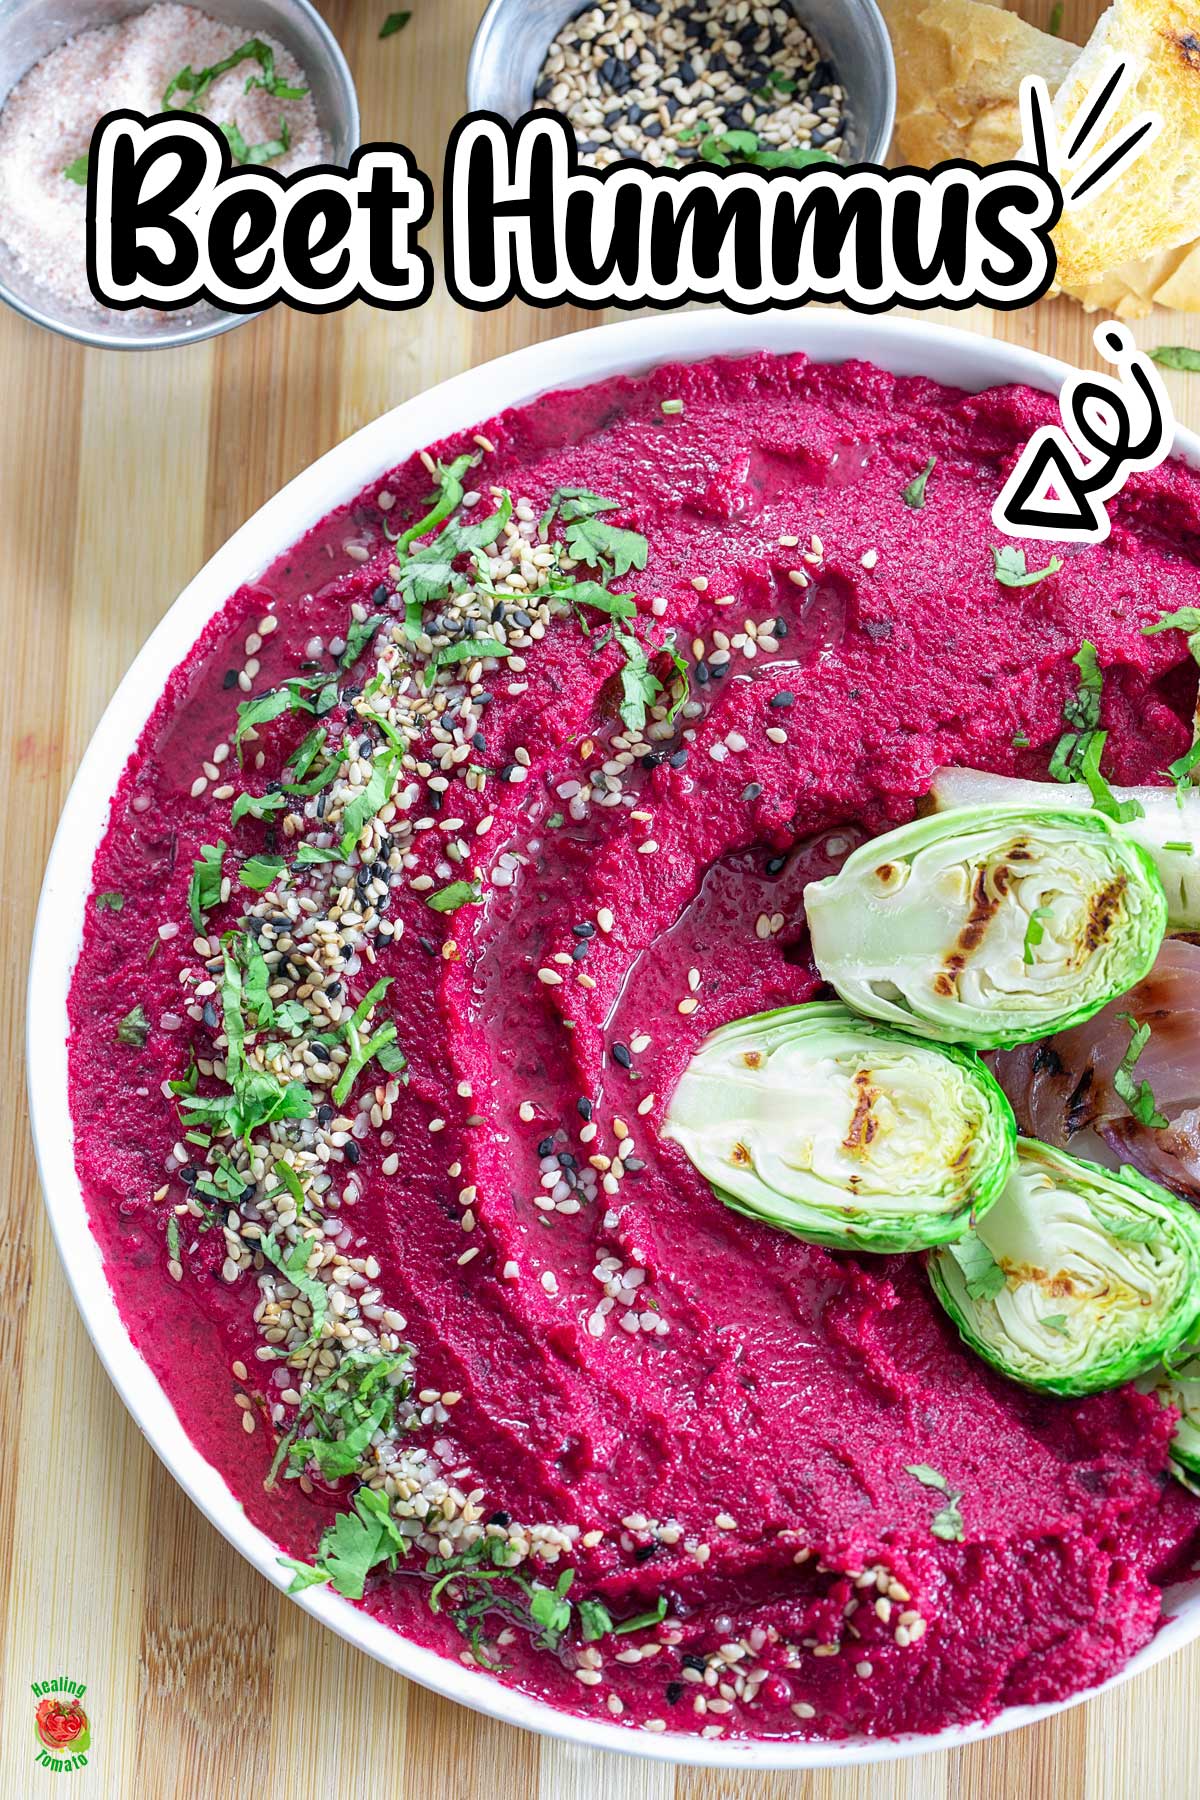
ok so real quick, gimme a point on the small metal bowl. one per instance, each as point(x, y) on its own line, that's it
point(30, 29)
point(514, 36)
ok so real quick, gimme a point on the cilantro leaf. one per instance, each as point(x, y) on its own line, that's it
point(197, 83)
point(1103, 798)
point(254, 155)
point(456, 894)
point(258, 872)
point(914, 493)
point(77, 171)
point(256, 806)
point(352, 1546)
point(1176, 356)
point(641, 1620)
point(446, 500)
point(134, 1028)
point(591, 540)
point(292, 1265)
point(947, 1522)
point(595, 1620)
point(109, 902)
point(358, 636)
point(1011, 571)
point(982, 1274)
point(369, 800)
point(204, 888)
point(309, 854)
point(640, 686)
point(394, 22)
point(591, 594)
point(1138, 1097)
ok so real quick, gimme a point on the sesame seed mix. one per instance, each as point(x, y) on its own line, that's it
point(682, 81)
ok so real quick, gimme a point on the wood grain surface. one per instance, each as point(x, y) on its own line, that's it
point(119, 475)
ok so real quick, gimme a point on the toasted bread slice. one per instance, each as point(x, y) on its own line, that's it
point(1154, 204)
point(960, 65)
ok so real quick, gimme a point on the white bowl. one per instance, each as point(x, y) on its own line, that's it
point(903, 346)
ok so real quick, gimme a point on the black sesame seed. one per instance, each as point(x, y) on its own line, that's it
point(229, 679)
point(583, 1107)
point(693, 1662)
point(752, 790)
point(644, 1552)
point(585, 929)
point(546, 1147)
point(622, 1055)
point(674, 1692)
point(352, 1152)
point(325, 1113)
point(784, 698)
point(776, 865)
point(502, 1519)
point(210, 1015)
point(380, 597)
point(677, 759)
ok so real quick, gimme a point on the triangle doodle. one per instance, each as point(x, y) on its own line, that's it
point(1046, 489)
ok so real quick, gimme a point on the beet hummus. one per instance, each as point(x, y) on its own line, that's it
point(439, 858)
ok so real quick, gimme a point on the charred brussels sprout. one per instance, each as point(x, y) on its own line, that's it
point(989, 925)
point(1176, 1382)
point(842, 1130)
point(1078, 1279)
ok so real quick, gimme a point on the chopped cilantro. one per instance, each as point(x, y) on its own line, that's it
point(291, 697)
point(456, 894)
point(309, 854)
point(982, 1274)
point(947, 1523)
point(446, 500)
point(1180, 770)
point(640, 687)
point(256, 806)
point(1055, 23)
point(1020, 741)
point(258, 872)
point(395, 21)
point(914, 493)
point(293, 1264)
point(77, 171)
point(356, 1542)
point(641, 1620)
point(1180, 848)
point(466, 650)
point(1011, 571)
point(204, 888)
point(134, 1028)
point(109, 902)
point(556, 820)
point(1138, 1097)
point(1103, 798)
point(1056, 1322)
point(590, 593)
point(197, 83)
point(593, 541)
point(173, 1238)
point(358, 636)
point(595, 1620)
point(254, 155)
point(671, 408)
point(368, 801)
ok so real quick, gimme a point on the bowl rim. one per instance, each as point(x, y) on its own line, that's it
point(176, 337)
point(902, 346)
point(493, 24)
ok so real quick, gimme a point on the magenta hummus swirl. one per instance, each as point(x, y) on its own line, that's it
point(439, 858)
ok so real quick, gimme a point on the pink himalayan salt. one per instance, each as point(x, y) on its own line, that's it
point(49, 116)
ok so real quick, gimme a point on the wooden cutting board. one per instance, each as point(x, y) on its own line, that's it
point(119, 475)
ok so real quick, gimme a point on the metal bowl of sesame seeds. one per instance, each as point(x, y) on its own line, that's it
point(664, 80)
point(903, 346)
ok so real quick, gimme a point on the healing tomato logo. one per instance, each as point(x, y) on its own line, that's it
point(62, 1726)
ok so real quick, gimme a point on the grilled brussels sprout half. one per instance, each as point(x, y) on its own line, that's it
point(1077, 1279)
point(1168, 828)
point(1176, 1382)
point(989, 925)
point(844, 1131)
